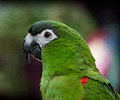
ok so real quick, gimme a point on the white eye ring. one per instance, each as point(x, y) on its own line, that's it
point(45, 37)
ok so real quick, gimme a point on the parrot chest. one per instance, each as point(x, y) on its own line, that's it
point(62, 87)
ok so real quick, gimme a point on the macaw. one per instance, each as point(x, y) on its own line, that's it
point(69, 70)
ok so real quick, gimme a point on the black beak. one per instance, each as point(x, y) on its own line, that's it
point(32, 48)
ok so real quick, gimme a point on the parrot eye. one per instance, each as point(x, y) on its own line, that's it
point(47, 34)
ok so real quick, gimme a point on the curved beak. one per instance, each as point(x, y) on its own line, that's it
point(30, 46)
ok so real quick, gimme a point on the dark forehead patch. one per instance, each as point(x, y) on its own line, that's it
point(38, 27)
point(30, 30)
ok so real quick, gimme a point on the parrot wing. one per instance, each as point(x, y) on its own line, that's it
point(97, 87)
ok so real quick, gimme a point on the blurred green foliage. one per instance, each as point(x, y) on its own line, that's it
point(15, 19)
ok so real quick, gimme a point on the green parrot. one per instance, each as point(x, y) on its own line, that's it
point(69, 70)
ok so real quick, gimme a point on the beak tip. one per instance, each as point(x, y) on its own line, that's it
point(28, 60)
point(27, 56)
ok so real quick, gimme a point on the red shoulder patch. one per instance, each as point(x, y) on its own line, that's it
point(84, 80)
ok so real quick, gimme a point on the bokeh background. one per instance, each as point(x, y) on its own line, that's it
point(97, 23)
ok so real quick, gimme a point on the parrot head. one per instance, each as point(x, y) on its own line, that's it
point(39, 34)
point(43, 33)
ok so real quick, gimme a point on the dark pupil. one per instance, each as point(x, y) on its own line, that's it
point(47, 34)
